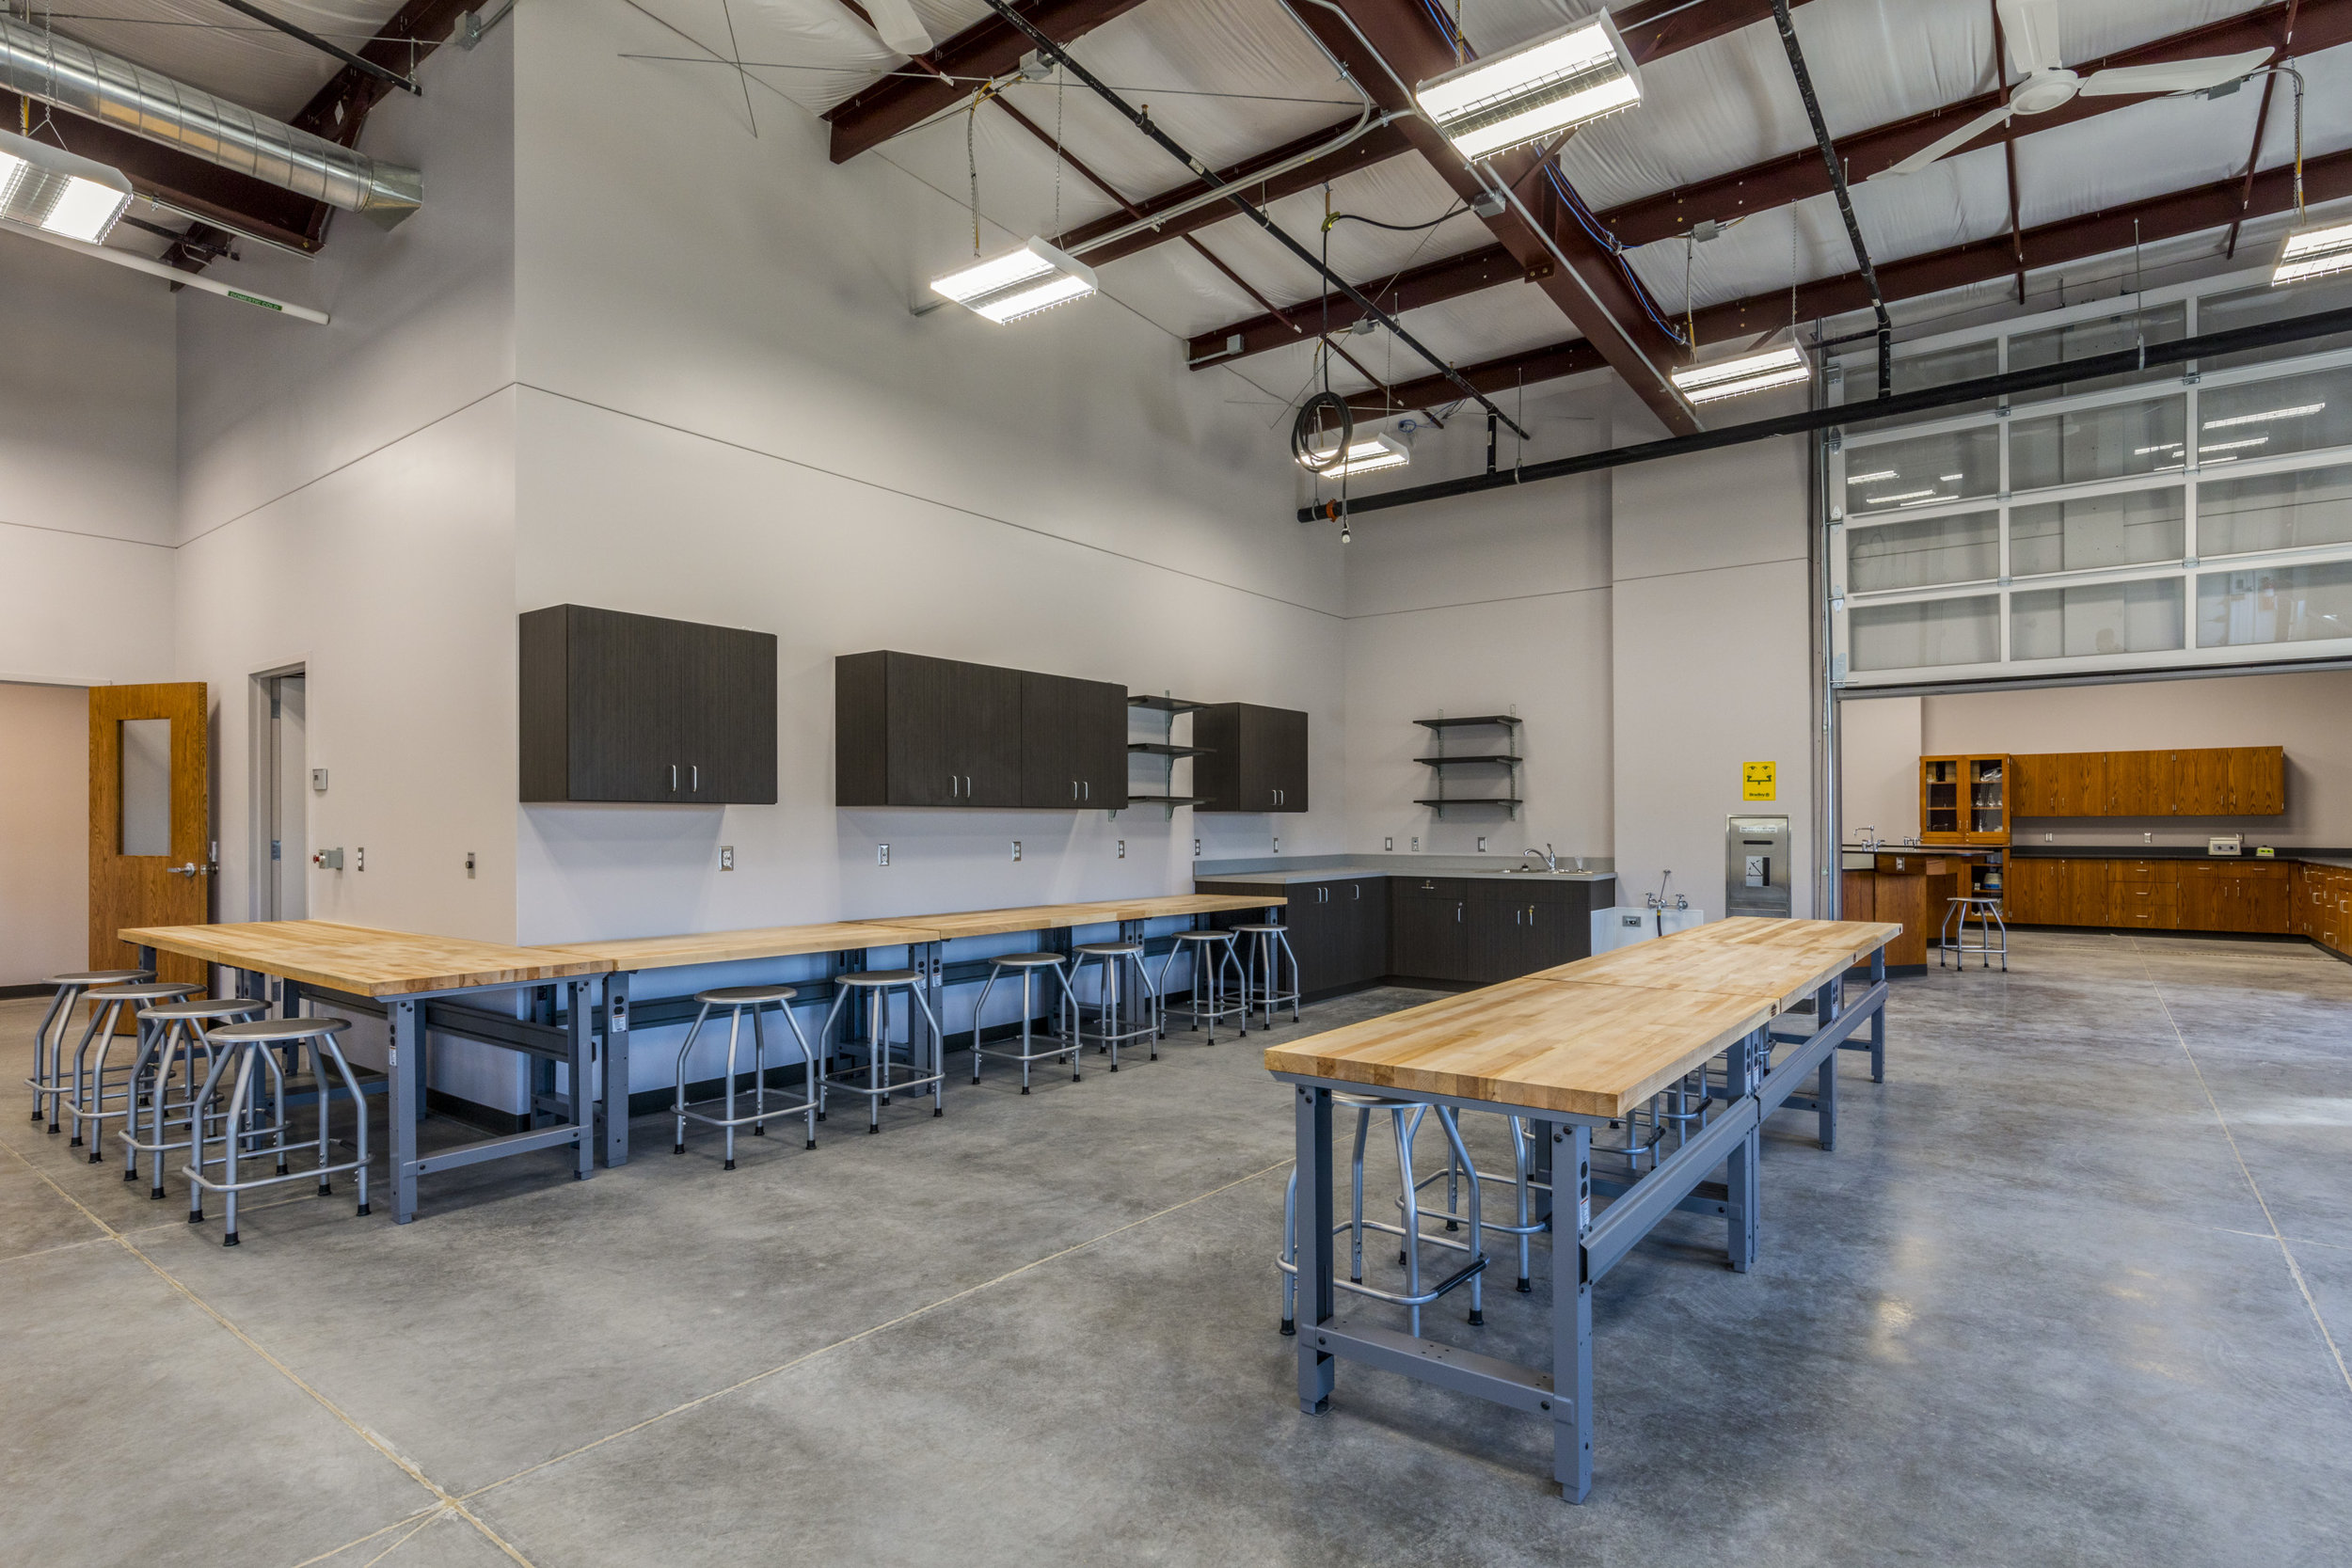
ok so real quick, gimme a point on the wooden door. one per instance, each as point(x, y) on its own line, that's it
point(1988, 800)
point(2128, 792)
point(1940, 805)
point(2257, 781)
point(2082, 892)
point(2089, 783)
point(2031, 896)
point(2202, 783)
point(150, 794)
point(2029, 786)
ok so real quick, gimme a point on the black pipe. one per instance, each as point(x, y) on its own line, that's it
point(1845, 201)
point(2122, 362)
point(1050, 50)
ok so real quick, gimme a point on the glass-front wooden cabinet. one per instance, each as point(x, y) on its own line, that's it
point(1964, 799)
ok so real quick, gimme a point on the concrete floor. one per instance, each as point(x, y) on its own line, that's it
point(2075, 1288)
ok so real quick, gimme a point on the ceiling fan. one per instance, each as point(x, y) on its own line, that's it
point(2032, 29)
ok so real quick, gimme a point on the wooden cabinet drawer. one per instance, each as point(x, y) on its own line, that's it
point(2144, 904)
point(2143, 871)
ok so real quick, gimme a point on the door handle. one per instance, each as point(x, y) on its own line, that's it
point(1073, 789)
point(967, 787)
point(673, 778)
point(191, 869)
point(697, 772)
point(1088, 785)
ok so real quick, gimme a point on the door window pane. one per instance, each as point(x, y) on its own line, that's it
point(1924, 471)
point(2101, 618)
point(2096, 531)
point(2265, 418)
point(1916, 372)
point(1930, 632)
point(1924, 551)
point(2274, 511)
point(145, 753)
point(2256, 306)
point(2277, 604)
point(2097, 443)
point(2161, 323)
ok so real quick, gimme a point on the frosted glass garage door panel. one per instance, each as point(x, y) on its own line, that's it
point(2095, 618)
point(1956, 465)
point(1924, 634)
point(2269, 419)
point(2088, 444)
point(2274, 511)
point(2277, 603)
point(2097, 532)
point(2162, 324)
point(1923, 552)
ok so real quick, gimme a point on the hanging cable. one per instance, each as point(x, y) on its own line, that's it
point(972, 159)
point(1454, 211)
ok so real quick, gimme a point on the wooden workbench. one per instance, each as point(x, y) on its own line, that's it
point(360, 969)
point(760, 941)
point(1574, 1049)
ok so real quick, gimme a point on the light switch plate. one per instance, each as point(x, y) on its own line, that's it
point(359, 857)
point(1482, 845)
point(882, 854)
point(1122, 848)
point(1388, 844)
point(1016, 848)
point(1196, 848)
point(726, 857)
point(1277, 845)
point(318, 780)
point(1417, 846)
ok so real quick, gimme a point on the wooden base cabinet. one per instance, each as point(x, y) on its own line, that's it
point(2254, 897)
point(1429, 928)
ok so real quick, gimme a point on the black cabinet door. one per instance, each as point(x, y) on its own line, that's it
point(1261, 738)
point(1256, 761)
point(1369, 910)
point(1101, 747)
point(922, 740)
point(623, 671)
point(727, 718)
point(1216, 772)
point(626, 707)
point(1289, 760)
point(1428, 939)
point(1050, 716)
point(987, 705)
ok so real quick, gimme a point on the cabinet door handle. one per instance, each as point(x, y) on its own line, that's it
point(967, 787)
point(954, 785)
point(697, 772)
point(1458, 914)
point(1088, 785)
point(1073, 789)
point(673, 778)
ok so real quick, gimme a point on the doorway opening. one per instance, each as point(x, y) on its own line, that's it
point(282, 795)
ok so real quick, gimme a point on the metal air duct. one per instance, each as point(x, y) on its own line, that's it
point(110, 89)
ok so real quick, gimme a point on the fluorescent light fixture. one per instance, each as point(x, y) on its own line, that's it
point(1366, 456)
point(2205, 447)
point(1872, 478)
point(1906, 495)
point(48, 189)
point(1018, 283)
point(2314, 253)
point(1750, 373)
point(2151, 451)
point(1948, 478)
point(2297, 413)
point(1926, 500)
point(1545, 86)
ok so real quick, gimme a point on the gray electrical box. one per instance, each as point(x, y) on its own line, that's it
point(1756, 866)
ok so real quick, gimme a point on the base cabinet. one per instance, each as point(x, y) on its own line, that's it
point(2250, 897)
point(1338, 929)
point(1428, 928)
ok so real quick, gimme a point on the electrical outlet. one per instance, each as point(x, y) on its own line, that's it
point(318, 780)
point(1482, 845)
point(1417, 846)
point(359, 857)
point(1388, 844)
point(2049, 838)
point(2147, 838)
point(726, 857)
point(882, 854)
point(1196, 848)
point(469, 862)
point(1016, 848)
point(1277, 845)
point(1122, 848)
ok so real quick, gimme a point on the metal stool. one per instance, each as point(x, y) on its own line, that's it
point(1988, 916)
point(177, 1036)
point(1262, 972)
point(1212, 954)
point(736, 999)
point(89, 1103)
point(1028, 966)
point(49, 1040)
point(875, 986)
point(1524, 1185)
point(1405, 1117)
point(1111, 959)
point(243, 1043)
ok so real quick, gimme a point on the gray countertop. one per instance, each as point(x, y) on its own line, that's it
point(2340, 858)
point(1384, 866)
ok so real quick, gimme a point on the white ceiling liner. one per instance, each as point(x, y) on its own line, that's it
point(210, 46)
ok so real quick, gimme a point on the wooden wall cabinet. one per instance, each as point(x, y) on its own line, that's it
point(1255, 759)
point(2223, 781)
point(639, 710)
point(1964, 799)
point(1073, 743)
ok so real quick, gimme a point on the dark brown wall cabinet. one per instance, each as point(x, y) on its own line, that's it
point(1255, 761)
point(911, 730)
point(636, 708)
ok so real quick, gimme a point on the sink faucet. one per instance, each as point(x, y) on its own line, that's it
point(1869, 837)
point(1552, 862)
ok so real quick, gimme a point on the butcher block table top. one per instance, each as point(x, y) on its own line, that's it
point(1597, 1037)
point(763, 942)
point(364, 960)
point(1049, 917)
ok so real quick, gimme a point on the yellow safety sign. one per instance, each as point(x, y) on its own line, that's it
point(1759, 781)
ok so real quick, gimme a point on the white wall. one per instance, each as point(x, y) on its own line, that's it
point(1711, 658)
point(1492, 603)
point(1880, 745)
point(44, 832)
point(86, 468)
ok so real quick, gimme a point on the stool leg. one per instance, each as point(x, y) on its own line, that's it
point(176, 1039)
point(1290, 1253)
point(1028, 999)
point(81, 1057)
point(760, 1077)
point(278, 1108)
point(1520, 1163)
point(1411, 1255)
point(1069, 1010)
point(326, 1088)
point(979, 1009)
point(196, 1133)
point(939, 1047)
point(1355, 1208)
point(735, 1021)
point(1112, 1015)
point(360, 1109)
point(878, 1011)
point(236, 1105)
point(141, 1063)
point(808, 1071)
point(60, 1005)
point(1297, 981)
point(1449, 1122)
point(677, 1100)
point(825, 1038)
point(1152, 1013)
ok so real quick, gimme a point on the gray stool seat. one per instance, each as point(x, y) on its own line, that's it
point(1405, 1117)
point(738, 1000)
point(1062, 1044)
point(1214, 955)
point(49, 1040)
point(178, 1040)
point(85, 1096)
point(885, 1074)
point(242, 1130)
point(1111, 961)
point(1268, 947)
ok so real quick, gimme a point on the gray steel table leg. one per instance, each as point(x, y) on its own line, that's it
point(1743, 1167)
point(1541, 1133)
point(1316, 1369)
point(616, 1068)
point(1571, 1149)
point(583, 1068)
point(1825, 1100)
point(406, 1056)
point(1878, 1021)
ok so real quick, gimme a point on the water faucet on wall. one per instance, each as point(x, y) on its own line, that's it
point(1658, 900)
point(1869, 837)
point(1552, 862)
